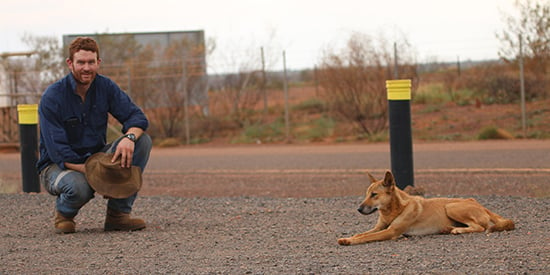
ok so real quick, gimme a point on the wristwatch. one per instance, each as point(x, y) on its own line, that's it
point(131, 137)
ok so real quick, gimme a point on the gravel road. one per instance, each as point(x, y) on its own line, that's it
point(282, 214)
point(260, 235)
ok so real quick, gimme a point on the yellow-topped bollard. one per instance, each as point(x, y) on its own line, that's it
point(399, 108)
point(28, 113)
point(399, 89)
point(28, 137)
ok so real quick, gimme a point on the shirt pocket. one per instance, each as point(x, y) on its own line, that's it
point(74, 129)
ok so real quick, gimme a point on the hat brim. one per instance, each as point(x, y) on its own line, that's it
point(109, 186)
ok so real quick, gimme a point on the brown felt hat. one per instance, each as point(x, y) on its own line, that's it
point(110, 179)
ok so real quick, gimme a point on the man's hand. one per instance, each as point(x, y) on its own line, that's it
point(77, 167)
point(124, 150)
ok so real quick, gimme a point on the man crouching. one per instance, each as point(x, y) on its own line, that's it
point(73, 116)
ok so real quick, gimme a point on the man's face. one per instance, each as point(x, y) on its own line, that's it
point(84, 66)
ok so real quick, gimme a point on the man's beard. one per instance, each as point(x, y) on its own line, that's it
point(79, 79)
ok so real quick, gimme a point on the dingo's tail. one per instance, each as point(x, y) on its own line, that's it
point(500, 223)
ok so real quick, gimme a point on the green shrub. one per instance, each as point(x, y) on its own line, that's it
point(312, 106)
point(492, 132)
point(379, 137)
point(261, 132)
point(321, 128)
point(431, 94)
point(538, 135)
point(464, 97)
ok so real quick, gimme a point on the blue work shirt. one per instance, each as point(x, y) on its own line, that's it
point(71, 129)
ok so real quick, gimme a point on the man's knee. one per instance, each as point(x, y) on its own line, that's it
point(76, 188)
point(142, 151)
point(83, 192)
point(144, 143)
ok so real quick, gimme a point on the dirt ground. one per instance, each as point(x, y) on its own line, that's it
point(280, 210)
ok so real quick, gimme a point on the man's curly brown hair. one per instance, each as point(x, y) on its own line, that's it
point(83, 43)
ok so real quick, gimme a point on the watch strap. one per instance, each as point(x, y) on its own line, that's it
point(131, 137)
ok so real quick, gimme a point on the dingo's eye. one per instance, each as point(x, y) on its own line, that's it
point(372, 195)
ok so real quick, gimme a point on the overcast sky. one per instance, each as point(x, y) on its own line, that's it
point(441, 30)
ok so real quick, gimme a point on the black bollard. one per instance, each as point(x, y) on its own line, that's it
point(399, 99)
point(28, 136)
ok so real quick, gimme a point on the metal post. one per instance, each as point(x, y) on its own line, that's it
point(522, 88)
point(187, 98)
point(395, 62)
point(264, 81)
point(399, 97)
point(285, 87)
point(28, 136)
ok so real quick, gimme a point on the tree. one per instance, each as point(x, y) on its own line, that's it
point(32, 74)
point(532, 24)
point(353, 81)
point(49, 60)
point(238, 91)
point(177, 77)
point(29, 73)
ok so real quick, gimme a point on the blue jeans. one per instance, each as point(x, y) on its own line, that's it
point(72, 188)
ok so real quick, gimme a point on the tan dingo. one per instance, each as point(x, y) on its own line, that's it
point(403, 214)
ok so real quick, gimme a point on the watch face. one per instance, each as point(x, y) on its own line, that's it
point(132, 137)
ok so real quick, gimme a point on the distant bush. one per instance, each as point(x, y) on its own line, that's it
point(431, 94)
point(352, 80)
point(439, 93)
point(322, 128)
point(257, 133)
point(504, 89)
point(492, 132)
point(496, 83)
point(208, 127)
point(311, 106)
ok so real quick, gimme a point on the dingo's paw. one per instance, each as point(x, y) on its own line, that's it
point(344, 241)
point(456, 231)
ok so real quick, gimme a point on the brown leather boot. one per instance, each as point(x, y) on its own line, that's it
point(63, 225)
point(120, 221)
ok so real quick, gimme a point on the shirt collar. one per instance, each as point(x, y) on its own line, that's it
point(72, 82)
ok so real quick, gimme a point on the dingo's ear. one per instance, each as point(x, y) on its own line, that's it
point(372, 179)
point(388, 179)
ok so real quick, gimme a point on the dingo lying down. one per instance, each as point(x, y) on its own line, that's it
point(403, 214)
